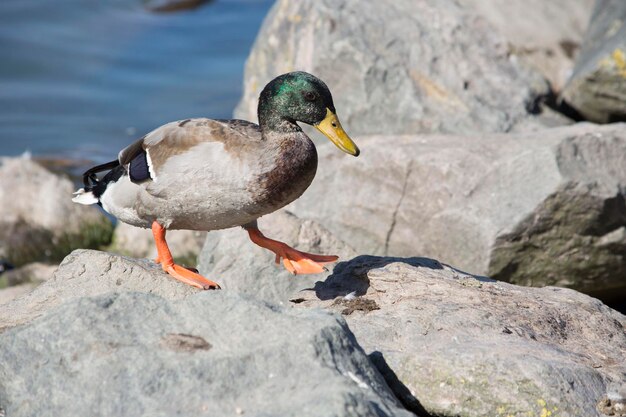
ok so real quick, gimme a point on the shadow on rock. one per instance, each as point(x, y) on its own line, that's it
point(407, 399)
point(351, 276)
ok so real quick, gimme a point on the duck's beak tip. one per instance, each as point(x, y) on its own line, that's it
point(331, 128)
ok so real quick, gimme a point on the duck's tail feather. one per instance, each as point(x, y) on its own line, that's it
point(85, 197)
point(90, 179)
point(94, 187)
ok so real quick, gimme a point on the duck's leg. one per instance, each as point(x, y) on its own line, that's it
point(157, 260)
point(164, 257)
point(294, 261)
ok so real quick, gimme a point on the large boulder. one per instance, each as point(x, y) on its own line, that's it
point(212, 354)
point(398, 66)
point(17, 282)
point(542, 208)
point(597, 88)
point(38, 220)
point(86, 273)
point(230, 258)
point(16, 291)
point(454, 344)
point(35, 272)
point(545, 35)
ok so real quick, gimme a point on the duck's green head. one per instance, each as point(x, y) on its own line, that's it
point(301, 97)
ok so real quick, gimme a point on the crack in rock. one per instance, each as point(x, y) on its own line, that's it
point(394, 216)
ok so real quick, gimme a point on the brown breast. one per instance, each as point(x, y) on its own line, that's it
point(291, 174)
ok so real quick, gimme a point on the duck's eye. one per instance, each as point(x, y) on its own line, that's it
point(309, 95)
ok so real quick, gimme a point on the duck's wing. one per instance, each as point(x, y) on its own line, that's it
point(146, 158)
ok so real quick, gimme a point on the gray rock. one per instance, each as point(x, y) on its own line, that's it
point(545, 35)
point(86, 273)
point(18, 282)
point(138, 243)
point(541, 208)
point(597, 88)
point(35, 273)
point(230, 258)
point(212, 354)
point(454, 344)
point(398, 66)
point(38, 220)
point(16, 291)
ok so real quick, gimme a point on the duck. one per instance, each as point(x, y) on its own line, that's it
point(211, 174)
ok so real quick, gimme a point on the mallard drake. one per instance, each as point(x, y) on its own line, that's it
point(206, 174)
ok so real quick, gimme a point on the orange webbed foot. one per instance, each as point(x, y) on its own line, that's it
point(189, 276)
point(298, 262)
point(294, 261)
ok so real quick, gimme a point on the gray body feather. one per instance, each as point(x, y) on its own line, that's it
point(212, 174)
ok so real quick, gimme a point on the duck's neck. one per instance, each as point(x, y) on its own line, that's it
point(272, 121)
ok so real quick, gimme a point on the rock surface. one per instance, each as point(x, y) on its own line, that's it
point(18, 282)
point(398, 66)
point(11, 293)
point(541, 208)
point(544, 34)
point(460, 345)
point(35, 273)
point(138, 243)
point(86, 273)
point(230, 258)
point(448, 343)
point(212, 354)
point(40, 222)
point(597, 88)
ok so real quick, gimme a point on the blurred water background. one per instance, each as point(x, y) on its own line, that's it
point(80, 79)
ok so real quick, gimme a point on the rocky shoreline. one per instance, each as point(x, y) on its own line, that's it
point(417, 337)
point(480, 234)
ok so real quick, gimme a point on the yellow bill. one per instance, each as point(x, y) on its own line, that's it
point(331, 128)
